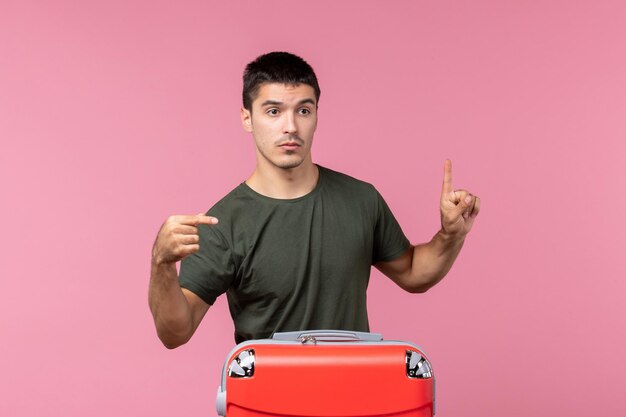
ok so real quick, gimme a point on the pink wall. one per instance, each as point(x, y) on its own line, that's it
point(114, 115)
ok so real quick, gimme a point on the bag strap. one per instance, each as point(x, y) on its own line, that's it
point(314, 336)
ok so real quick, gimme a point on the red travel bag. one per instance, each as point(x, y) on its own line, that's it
point(326, 373)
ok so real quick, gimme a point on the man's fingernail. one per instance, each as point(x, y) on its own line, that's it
point(468, 199)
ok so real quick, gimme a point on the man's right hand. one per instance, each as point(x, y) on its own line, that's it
point(178, 238)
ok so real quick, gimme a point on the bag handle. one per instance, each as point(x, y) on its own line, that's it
point(314, 336)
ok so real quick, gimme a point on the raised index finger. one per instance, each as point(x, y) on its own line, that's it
point(447, 177)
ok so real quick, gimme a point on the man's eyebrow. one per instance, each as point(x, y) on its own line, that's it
point(271, 103)
point(278, 103)
point(307, 101)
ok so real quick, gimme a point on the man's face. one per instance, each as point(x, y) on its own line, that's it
point(282, 122)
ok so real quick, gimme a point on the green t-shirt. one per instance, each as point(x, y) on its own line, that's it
point(297, 264)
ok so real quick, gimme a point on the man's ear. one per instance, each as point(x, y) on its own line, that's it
point(246, 119)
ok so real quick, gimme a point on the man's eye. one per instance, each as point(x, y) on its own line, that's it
point(272, 112)
point(305, 111)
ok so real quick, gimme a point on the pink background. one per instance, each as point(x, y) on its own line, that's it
point(116, 114)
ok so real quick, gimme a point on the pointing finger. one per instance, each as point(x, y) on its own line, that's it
point(447, 177)
point(194, 220)
point(202, 219)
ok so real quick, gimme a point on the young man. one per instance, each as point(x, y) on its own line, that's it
point(295, 242)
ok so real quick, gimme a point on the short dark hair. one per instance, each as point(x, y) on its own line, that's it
point(276, 67)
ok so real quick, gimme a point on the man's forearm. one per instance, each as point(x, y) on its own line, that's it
point(170, 309)
point(432, 261)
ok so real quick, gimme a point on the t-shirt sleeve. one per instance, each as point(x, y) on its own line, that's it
point(389, 239)
point(209, 272)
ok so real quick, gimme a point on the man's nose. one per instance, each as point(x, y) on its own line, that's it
point(290, 124)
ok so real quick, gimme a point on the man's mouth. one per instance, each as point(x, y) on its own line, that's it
point(290, 146)
point(291, 143)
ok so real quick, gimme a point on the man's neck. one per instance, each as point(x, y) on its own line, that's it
point(283, 183)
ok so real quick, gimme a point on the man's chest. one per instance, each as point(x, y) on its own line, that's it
point(323, 248)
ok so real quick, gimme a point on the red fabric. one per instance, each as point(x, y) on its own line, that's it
point(329, 380)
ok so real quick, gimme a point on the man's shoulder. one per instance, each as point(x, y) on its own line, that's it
point(235, 211)
point(236, 200)
point(339, 181)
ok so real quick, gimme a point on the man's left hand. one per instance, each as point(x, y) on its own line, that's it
point(459, 208)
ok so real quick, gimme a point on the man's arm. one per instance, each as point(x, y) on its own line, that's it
point(177, 312)
point(423, 266)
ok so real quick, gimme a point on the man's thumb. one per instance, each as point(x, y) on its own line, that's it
point(464, 204)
